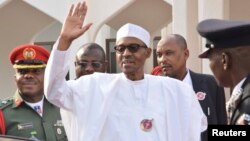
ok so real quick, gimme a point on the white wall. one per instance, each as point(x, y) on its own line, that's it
point(19, 23)
point(26, 21)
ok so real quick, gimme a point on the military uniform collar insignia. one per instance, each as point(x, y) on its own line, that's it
point(17, 100)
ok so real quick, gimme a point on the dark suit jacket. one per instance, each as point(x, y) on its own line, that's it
point(244, 104)
point(214, 104)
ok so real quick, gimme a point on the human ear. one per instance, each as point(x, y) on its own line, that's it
point(225, 60)
point(186, 52)
point(148, 52)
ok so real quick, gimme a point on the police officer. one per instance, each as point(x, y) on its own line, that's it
point(29, 114)
point(228, 44)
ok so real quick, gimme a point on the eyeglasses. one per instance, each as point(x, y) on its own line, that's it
point(133, 48)
point(95, 65)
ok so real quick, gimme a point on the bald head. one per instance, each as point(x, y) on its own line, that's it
point(91, 49)
point(173, 39)
point(172, 54)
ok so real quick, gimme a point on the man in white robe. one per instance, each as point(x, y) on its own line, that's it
point(129, 106)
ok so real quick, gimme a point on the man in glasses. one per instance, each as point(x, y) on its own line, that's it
point(90, 58)
point(128, 106)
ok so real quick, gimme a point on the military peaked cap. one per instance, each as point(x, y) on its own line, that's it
point(29, 56)
point(224, 33)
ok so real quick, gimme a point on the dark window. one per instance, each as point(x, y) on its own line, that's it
point(155, 42)
point(110, 54)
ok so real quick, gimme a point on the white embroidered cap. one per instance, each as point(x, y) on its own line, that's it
point(132, 30)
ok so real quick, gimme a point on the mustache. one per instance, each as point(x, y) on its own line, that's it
point(165, 65)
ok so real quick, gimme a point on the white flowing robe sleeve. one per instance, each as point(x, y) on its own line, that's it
point(55, 85)
point(185, 119)
point(85, 99)
point(189, 118)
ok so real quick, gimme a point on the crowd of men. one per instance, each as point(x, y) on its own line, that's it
point(171, 103)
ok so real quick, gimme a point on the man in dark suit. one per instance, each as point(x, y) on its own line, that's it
point(229, 55)
point(172, 54)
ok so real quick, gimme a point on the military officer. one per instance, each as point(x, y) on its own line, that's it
point(29, 114)
point(229, 55)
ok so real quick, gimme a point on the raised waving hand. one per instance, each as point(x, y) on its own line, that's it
point(73, 26)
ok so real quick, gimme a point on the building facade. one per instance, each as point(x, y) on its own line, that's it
point(34, 21)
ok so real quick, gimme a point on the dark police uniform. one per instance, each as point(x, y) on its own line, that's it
point(243, 106)
point(17, 118)
point(230, 34)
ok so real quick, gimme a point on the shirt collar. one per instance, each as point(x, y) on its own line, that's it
point(187, 79)
point(238, 88)
point(17, 99)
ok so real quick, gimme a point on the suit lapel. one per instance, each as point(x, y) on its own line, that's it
point(198, 87)
point(246, 87)
point(196, 82)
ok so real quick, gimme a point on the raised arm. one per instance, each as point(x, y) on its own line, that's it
point(73, 26)
point(56, 88)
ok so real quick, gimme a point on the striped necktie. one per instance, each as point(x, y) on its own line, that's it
point(38, 109)
point(232, 103)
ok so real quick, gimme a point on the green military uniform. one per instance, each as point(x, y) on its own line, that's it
point(21, 120)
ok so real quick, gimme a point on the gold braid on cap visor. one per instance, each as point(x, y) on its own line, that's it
point(29, 66)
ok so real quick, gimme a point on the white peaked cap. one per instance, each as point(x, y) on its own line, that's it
point(132, 30)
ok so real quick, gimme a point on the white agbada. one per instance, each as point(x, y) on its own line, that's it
point(109, 107)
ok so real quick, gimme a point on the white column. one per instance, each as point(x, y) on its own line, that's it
point(185, 19)
point(218, 9)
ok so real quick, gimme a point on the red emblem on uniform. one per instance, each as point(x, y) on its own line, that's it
point(146, 124)
point(29, 53)
point(201, 95)
point(18, 102)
